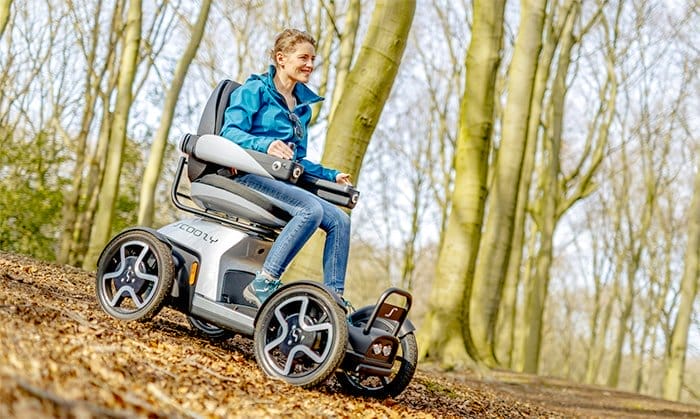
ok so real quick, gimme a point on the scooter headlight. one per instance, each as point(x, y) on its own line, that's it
point(386, 350)
point(382, 348)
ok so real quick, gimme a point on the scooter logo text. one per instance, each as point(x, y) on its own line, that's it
point(197, 232)
point(391, 313)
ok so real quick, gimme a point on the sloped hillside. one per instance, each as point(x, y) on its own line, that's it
point(61, 356)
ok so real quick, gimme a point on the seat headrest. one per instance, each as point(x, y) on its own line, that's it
point(213, 116)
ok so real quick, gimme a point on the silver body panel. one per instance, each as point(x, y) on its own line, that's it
point(220, 248)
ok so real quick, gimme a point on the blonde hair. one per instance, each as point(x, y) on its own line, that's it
point(286, 40)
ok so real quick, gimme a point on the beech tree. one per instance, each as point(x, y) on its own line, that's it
point(154, 166)
point(444, 336)
point(361, 102)
point(557, 189)
point(90, 44)
point(678, 345)
point(495, 244)
point(102, 228)
point(346, 52)
point(4, 14)
point(508, 305)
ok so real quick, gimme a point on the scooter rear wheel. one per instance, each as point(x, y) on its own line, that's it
point(300, 335)
point(208, 330)
point(134, 275)
point(365, 385)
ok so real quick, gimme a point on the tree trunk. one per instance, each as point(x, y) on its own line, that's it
point(101, 230)
point(440, 337)
point(347, 50)
point(546, 213)
point(658, 310)
point(598, 343)
point(638, 361)
point(494, 249)
point(325, 45)
point(417, 182)
point(366, 90)
point(508, 309)
point(4, 14)
point(155, 159)
point(90, 189)
point(623, 327)
point(555, 199)
point(590, 372)
point(71, 203)
point(677, 347)
point(638, 241)
point(519, 324)
point(442, 145)
point(368, 86)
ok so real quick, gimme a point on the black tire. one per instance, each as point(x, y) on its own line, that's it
point(301, 335)
point(207, 330)
point(134, 276)
point(359, 384)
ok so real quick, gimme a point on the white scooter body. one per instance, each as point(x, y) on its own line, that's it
point(221, 250)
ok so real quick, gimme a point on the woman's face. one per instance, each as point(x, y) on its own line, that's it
point(298, 64)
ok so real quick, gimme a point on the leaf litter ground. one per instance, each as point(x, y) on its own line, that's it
point(61, 356)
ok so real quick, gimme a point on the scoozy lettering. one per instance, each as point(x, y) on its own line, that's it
point(197, 232)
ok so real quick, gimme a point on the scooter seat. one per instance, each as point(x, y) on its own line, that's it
point(220, 193)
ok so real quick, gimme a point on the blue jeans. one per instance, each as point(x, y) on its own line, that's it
point(308, 212)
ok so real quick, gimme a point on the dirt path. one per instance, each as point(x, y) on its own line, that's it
point(60, 355)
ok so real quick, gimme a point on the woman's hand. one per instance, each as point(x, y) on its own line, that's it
point(343, 179)
point(279, 149)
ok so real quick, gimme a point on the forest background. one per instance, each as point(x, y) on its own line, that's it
point(529, 170)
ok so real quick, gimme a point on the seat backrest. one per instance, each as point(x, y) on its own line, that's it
point(210, 123)
point(213, 116)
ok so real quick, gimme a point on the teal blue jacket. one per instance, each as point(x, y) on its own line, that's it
point(257, 115)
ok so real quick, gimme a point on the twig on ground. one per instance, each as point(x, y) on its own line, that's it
point(80, 319)
point(163, 370)
point(63, 403)
point(207, 370)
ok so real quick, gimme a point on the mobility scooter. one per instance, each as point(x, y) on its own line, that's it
point(200, 265)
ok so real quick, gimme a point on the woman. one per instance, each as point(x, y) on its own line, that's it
point(270, 113)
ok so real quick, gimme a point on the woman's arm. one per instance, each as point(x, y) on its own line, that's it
point(244, 103)
point(319, 171)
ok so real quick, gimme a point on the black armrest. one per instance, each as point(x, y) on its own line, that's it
point(343, 195)
point(282, 169)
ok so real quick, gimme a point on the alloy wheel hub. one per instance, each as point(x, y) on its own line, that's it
point(130, 275)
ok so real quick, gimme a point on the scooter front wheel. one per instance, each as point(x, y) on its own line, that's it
point(301, 335)
point(134, 275)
